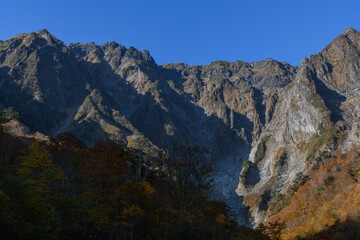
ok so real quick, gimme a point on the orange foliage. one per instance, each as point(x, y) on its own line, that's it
point(332, 193)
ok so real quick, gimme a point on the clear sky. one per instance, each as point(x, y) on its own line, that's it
point(196, 32)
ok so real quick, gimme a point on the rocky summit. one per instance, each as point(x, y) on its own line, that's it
point(265, 123)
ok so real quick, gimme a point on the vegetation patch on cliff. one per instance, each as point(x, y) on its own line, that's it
point(320, 145)
point(317, 101)
point(253, 200)
point(280, 157)
point(260, 151)
point(244, 171)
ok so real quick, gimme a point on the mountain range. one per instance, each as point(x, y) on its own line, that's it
point(266, 124)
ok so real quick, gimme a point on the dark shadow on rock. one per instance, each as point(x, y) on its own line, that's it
point(260, 107)
point(239, 121)
point(252, 175)
point(60, 81)
point(263, 206)
point(246, 213)
point(332, 100)
point(175, 76)
point(243, 123)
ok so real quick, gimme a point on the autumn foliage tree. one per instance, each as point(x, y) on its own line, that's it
point(188, 173)
point(272, 230)
point(39, 171)
point(61, 189)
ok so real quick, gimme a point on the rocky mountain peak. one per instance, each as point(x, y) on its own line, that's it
point(343, 46)
point(350, 31)
point(144, 55)
point(112, 45)
point(335, 68)
point(353, 35)
point(45, 34)
point(42, 38)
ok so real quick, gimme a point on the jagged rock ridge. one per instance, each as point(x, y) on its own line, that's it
point(257, 112)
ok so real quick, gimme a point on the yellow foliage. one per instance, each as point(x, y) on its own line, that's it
point(38, 168)
point(148, 189)
point(4, 202)
point(222, 219)
point(132, 211)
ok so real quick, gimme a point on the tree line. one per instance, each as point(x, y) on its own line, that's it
point(61, 189)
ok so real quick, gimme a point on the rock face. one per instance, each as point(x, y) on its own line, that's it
point(255, 118)
point(323, 96)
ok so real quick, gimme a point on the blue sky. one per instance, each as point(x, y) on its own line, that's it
point(194, 32)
